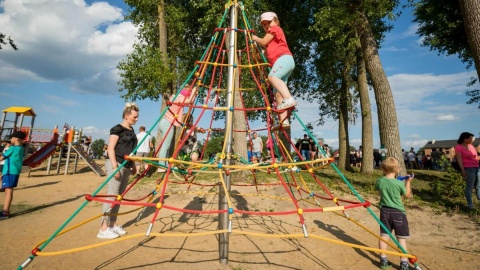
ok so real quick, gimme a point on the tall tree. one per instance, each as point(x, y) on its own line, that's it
point(387, 115)
point(452, 28)
point(471, 17)
point(366, 113)
point(343, 135)
point(338, 39)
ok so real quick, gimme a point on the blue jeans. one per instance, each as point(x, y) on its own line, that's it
point(305, 154)
point(472, 182)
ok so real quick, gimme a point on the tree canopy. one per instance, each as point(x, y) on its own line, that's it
point(7, 40)
point(443, 26)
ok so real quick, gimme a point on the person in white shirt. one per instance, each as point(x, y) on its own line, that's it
point(412, 160)
point(257, 146)
point(144, 148)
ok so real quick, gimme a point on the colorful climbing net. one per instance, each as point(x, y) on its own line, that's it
point(230, 173)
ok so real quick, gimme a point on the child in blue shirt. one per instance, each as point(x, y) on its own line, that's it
point(392, 211)
point(11, 169)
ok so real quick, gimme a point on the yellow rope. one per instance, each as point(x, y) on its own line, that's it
point(243, 167)
point(239, 232)
point(124, 238)
point(228, 65)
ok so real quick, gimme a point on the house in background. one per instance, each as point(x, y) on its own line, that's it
point(446, 146)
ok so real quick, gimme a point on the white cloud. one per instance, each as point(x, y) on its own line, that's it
point(90, 130)
point(394, 49)
point(416, 144)
point(414, 136)
point(64, 40)
point(446, 117)
point(112, 42)
point(11, 75)
point(411, 31)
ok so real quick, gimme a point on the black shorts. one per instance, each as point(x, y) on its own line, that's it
point(394, 220)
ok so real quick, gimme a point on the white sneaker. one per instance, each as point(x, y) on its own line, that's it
point(107, 234)
point(119, 230)
point(287, 104)
point(284, 124)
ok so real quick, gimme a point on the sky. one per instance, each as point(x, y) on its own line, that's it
point(65, 69)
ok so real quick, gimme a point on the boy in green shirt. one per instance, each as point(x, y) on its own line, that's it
point(392, 211)
point(11, 169)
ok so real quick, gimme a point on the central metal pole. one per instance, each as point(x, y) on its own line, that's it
point(223, 240)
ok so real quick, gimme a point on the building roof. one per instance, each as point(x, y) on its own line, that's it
point(27, 111)
point(445, 144)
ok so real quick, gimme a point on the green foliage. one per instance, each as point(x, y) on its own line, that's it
point(451, 186)
point(143, 74)
point(215, 144)
point(4, 40)
point(97, 147)
point(441, 26)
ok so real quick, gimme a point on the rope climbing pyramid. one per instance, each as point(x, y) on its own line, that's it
point(228, 82)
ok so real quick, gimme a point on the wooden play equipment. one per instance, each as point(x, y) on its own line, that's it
point(71, 139)
point(50, 139)
point(20, 113)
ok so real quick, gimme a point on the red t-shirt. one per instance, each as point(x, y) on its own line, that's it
point(469, 157)
point(278, 46)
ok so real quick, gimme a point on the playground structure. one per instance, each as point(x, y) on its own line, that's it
point(50, 140)
point(304, 194)
point(70, 140)
point(17, 123)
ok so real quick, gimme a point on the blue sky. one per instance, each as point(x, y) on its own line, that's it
point(65, 69)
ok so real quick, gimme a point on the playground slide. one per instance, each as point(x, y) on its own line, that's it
point(93, 165)
point(39, 156)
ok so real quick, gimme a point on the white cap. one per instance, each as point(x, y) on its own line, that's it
point(267, 16)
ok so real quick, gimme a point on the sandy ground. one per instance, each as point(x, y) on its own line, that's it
point(42, 203)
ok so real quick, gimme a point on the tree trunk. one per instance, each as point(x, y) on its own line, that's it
point(471, 19)
point(343, 137)
point(366, 113)
point(163, 48)
point(387, 115)
point(343, 151)
point(239, 123)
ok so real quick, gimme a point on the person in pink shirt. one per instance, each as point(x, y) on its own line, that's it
point(280, 58)
point(173, 118)
point(467, 159)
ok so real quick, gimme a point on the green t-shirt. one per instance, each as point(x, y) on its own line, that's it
point(391, 192)
point(13, 160)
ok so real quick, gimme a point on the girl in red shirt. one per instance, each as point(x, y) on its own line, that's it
point(281, 60)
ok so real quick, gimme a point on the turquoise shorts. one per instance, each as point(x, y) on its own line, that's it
point(10, 180)
point(282, 68)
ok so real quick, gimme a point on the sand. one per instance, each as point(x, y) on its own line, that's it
point(42, 203)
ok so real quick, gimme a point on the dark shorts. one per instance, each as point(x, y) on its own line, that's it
point(394, 220)
point(9, 180)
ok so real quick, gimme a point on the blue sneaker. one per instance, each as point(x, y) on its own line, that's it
point(4, 215)
point(404, 266)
